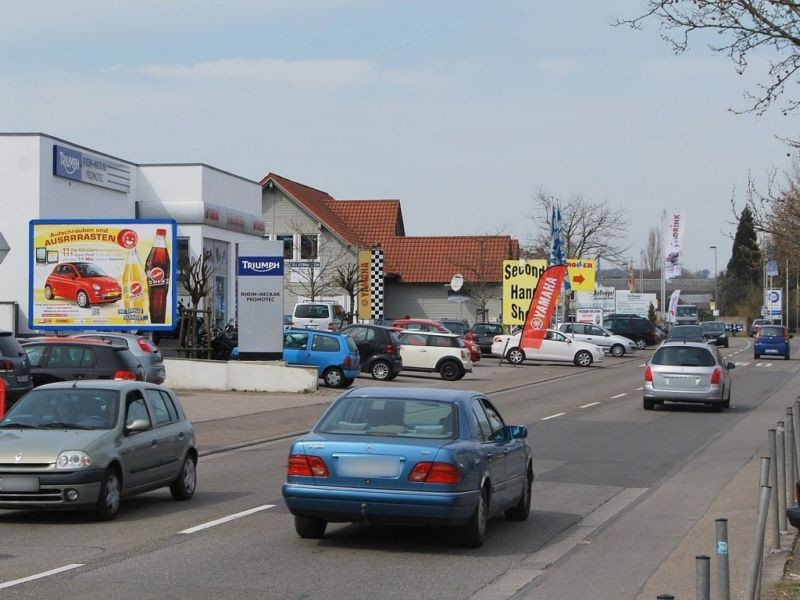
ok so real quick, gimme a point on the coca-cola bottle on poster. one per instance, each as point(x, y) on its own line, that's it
point(158, 267)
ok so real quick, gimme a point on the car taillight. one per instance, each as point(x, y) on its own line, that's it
point(390, 349)
point(306, 466)
point(146, 345)
point(125, 375)
point(434, 472)
point(716, 376)
point(648, 374)
point(6, 366)
point(348, 361)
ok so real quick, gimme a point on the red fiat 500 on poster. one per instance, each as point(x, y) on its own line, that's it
point(83, 282)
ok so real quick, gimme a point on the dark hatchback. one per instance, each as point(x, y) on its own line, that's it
point(378, 349)
point(15, 368)
point(715, 333)
point(483, 335)
point(65, 359)
point(633, 327)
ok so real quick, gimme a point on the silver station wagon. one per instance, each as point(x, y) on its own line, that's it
point(88, 444)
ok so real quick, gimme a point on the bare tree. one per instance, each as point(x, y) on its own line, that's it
point(315, 277)
point(195, 274)
point(651, 255)
point(591, 229)
point(346, 278)
point(743, 28)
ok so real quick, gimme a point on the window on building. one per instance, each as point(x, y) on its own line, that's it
point(288, 246)
point(308, 247)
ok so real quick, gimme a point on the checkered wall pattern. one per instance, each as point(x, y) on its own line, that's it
point(376, 283)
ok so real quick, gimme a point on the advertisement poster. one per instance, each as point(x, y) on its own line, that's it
point(102, 274)
point(519, 281)
point(673, 264)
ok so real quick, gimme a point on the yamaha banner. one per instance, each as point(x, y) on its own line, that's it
point(544, 302)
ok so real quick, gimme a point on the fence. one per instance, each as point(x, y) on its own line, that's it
point(777, 482)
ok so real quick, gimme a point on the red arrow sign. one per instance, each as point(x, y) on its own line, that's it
point(578, 278)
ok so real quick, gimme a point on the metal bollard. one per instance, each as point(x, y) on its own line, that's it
point(764, 473)
point(702, 577)
point(775, 533)
point(780, 467)
point(757, 551)
point(789, 452)
point(723, 569)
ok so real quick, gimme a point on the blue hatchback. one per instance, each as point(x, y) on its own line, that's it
point(416, 456)
point(335, 355)
point(771, 340)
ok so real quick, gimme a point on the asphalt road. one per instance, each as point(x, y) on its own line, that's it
point(617, 488)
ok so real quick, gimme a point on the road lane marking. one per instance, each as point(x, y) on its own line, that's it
point(216, 522)
point(619, 395)
point(9, 584)
point(590, 404)
point(639, 389)
point(553, 416)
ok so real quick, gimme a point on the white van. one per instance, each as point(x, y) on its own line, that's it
point(326, 316)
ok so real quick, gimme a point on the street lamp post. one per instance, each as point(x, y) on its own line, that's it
point(714, 248)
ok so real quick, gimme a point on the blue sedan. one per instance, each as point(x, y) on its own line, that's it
point(415, 456)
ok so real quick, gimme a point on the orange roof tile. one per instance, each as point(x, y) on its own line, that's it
point(372, 220)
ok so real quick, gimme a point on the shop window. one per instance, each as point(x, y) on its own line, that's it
point(308, 247)
point(288, 246)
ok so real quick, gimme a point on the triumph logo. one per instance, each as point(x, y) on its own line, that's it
point(71, 164)
point(261, 266)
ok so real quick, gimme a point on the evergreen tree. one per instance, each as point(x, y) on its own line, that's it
point(740, 287)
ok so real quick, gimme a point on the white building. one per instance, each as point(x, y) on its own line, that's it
point(214, 210)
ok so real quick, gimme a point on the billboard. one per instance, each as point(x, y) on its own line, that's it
point(519, 281)
point(102, 274)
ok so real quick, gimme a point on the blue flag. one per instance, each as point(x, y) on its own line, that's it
point(558, 250)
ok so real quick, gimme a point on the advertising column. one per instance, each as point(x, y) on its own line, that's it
point(259, 270)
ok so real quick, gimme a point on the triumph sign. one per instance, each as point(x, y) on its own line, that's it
point(91, 168)
point(260, 269)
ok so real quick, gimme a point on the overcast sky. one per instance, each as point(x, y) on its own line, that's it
point(461, 109)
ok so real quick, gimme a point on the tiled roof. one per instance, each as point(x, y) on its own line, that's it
point(437, 259)
point(363, 223)
point(372, 220)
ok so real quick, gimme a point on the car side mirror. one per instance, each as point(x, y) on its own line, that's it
point(730, 366)
point(137, 425)
point(516, 432)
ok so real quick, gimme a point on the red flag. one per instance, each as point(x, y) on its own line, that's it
point(544, 302)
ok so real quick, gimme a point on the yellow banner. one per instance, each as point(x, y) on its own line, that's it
point(582, 274)
point(519, 282)
point(364, 285)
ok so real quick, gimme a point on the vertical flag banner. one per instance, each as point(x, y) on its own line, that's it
point(673, 305)
point(364, 290)
point(542, 306)
point(673, 257)
point(558, 249)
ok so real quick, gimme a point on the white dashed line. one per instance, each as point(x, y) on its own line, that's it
point(9, 584)
point(639, 389)
point(619, 395)
point(244, 513)
point(590, 404)
point(553, 416)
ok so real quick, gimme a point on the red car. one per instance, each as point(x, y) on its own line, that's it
point(84, 282)
point(431, 325)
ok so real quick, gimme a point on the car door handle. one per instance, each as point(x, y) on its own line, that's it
point(155, 443)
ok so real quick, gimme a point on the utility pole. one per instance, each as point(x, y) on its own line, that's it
point(714, 248)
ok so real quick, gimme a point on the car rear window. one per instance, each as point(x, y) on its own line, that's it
point(455, 327)
point(351, 345)
point(766, 330)
point(402, 417)
point(487, 329)
point(312, 311)
point(713, 326)
point(9, 346)
point(683, 356)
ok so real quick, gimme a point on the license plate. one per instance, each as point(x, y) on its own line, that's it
point(22, 379)
point(369, 466)
point(17, 483)
point(771, 351)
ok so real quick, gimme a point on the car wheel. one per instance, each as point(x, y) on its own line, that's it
point(583, 358)
point(82, 299)
point(648, 403)
point(449, 370)
point(641, 343)
point(48, 292)
point(515, 356)
point(756, 356)
point(617, 350)
point(787, 356)
point(716, 407)
point(473, 532)
point(522, 510)
point(380, 370)
point(309, 528)
point(184, 485)
point(108, 501)
point(333, 377)
point(727, 346)
point(348, 381)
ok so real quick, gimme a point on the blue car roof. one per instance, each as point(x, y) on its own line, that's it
point(409, 393)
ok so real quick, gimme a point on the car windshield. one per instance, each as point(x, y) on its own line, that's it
point(311, 311)
point(686, 331)
point(683, 356)
point(713, 327)
point(68, 408)
point(770, 330)
point(487, 329)
point(402, 417)
point(89, 270)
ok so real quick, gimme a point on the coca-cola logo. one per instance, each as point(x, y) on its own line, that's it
point(157, 274)
point(127, 238)
point(136, 288)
